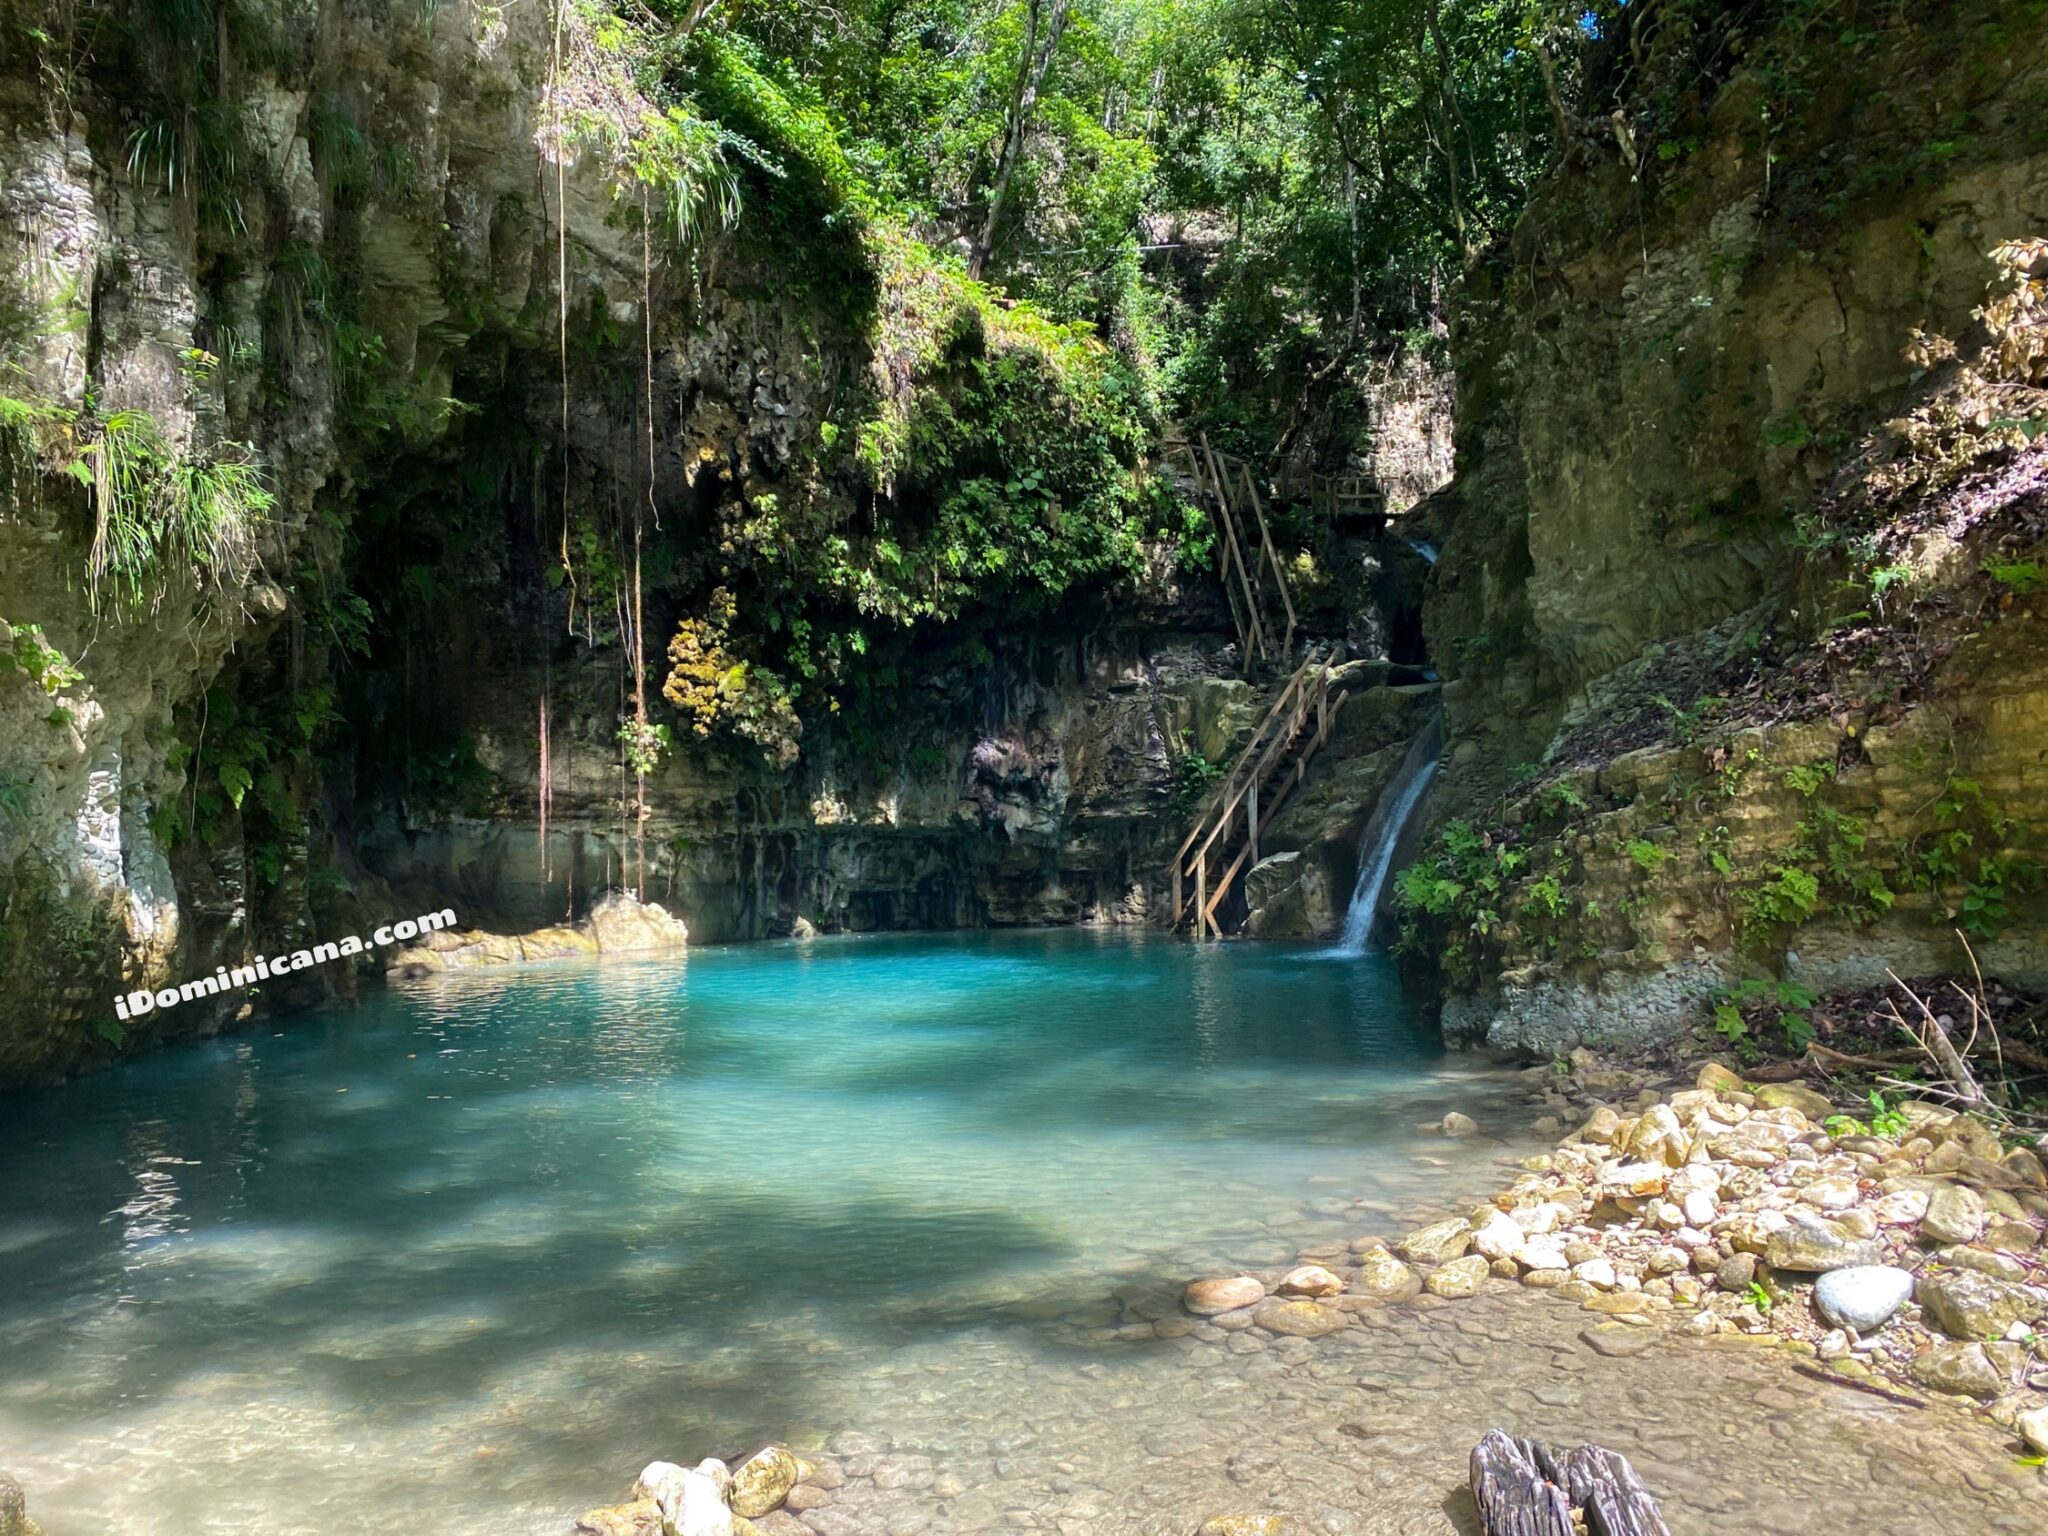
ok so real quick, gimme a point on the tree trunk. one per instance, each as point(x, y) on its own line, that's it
point(1034, 60)
point(1526, 1489)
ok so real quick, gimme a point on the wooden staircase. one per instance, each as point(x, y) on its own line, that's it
point(1254, 578)
point(1225, 840)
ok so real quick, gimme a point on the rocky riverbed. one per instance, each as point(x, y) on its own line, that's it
point(1786, 1320)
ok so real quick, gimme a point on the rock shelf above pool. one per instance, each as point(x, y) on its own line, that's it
point(617, 925)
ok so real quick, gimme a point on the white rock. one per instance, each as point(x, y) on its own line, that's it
point(2033, 1428)
point(1902, 1207)
point(1544, 1216)
point(704, 1511)
point(1499, 1235)
point(1598, 1273)
point(1700, 1208)
point(1541, 1253)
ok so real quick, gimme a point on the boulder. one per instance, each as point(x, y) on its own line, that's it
point(1954, 1215)
point(1659, 1138)
point(1633, 1181)
point(1716, 1078)
point(1964, 1369)
point(1542, 1253)
point(1602, 1126)
point(693, 1502)
point(1382, 1275)
point(623, 925)
point(1455, 1124)
point(1459, 1278)
point(763, 1480)
point(642, 1517)
point(1310, 1280)
point(556, 944)
point(1498, 1235)
point(2023, 1166)
point(1862, 1296)
point(1813, 1244)
point(1794, 1096)
point(1967, 1305)
point(2033, 1428)
point(1439, 1242)
point(1998, 1266)
point(2010, 1236)
point(1206, 1298)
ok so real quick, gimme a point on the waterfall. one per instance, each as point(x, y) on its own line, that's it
point(1423, 548)
point(1397, 806)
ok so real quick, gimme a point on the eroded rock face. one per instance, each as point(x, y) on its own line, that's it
point(1639, 428)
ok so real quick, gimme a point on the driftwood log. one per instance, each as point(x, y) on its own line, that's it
point(1526, 1489)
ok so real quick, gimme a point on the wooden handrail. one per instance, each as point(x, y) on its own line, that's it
point(1284, 730)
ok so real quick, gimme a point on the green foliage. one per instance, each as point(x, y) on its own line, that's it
point(1450, 899)
point(23, 650)
point(1545, 897)
point(1193, 777)
point(158, 512)
point(1648, 856)
point(1786, 1002)
point(1688, 723)
point(2020, 576)
point(1962, 859)
point(1784, 899)
point(643, 745)
point(1886, 1119)
point(16, 792)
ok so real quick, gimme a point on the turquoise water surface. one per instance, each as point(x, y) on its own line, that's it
point(529, 1228)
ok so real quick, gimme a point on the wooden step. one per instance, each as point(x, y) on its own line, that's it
point(1224, 842)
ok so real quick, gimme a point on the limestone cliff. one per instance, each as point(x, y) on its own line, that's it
point(353, 360)
point(1738, 606)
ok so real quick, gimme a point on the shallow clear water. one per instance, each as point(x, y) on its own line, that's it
point(491, 1243)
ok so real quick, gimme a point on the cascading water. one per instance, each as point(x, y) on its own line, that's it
point(1382, 842)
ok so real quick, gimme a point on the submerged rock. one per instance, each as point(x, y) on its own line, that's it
point(1206, 1298)
point(1382, 1275)
point(1310, 1280)
point(1459, 1278)
point(1299, 1319)
point(1862, 1296)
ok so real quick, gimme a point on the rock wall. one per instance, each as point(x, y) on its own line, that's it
point(1667, 586)
point(328, 246)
